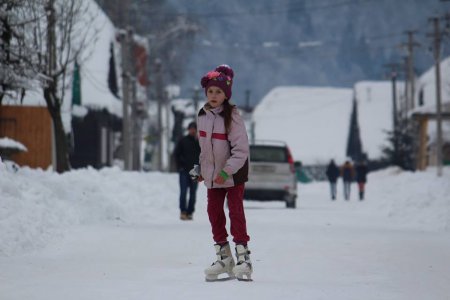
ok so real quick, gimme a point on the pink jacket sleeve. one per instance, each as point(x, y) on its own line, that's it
point(238, 139)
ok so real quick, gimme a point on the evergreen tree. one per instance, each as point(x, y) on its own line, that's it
point(354, 145)
point(400, 152)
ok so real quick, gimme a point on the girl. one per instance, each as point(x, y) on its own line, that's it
point(224, 169)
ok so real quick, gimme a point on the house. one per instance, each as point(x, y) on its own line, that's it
point(313, 121)
point(92, 120)
point(320, 123)
point(96, 111)
point(375, 115)
point(425, 115)
point(29, 124)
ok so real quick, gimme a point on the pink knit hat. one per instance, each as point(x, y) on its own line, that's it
point(221, 77)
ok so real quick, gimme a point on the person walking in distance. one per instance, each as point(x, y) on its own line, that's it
point(347, 173)
point(332, 175)
point(224, 169)
point(361, 178)
point(187, 152)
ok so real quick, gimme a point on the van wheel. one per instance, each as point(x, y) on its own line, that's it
point(291, 201)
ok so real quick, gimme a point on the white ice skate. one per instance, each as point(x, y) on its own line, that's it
point(243, 269)
point(223, 265)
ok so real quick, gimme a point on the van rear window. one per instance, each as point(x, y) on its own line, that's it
point(268, 154)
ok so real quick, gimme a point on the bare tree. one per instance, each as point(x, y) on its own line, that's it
point(15, 73)
point(61, 31)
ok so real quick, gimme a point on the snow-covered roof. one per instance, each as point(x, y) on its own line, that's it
point(94, 68)
point(375, 114)
point(313, 121)
point(427, 84)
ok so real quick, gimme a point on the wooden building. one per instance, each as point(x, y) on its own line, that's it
point(427, 150)
point(31, 126)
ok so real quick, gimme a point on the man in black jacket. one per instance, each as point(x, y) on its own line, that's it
point(187, 152)
point(332, 174)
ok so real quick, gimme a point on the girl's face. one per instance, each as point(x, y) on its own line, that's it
point(215, 96)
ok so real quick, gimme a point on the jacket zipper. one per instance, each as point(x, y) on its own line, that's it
point(212, 152)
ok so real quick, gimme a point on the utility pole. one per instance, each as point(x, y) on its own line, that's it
point(405, 105)
point(160, 98)
point(135, 120)
point(136, 129)
point(394, 107)
point(126, 41)
point(411, 75)
point(437, 58)
point(393, 72)
point(167, 105)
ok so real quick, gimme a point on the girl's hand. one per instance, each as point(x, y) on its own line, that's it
point(219, 180)
point(199, 178)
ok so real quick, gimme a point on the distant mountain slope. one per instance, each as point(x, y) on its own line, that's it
point(288, 42)
point(356, 39)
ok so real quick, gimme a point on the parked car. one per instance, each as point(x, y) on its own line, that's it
point(271, 174)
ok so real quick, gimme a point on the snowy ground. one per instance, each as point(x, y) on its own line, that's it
point(116, 235)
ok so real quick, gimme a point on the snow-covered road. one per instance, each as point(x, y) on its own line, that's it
point(322, 250)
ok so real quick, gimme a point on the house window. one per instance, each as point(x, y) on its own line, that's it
point(421, 98)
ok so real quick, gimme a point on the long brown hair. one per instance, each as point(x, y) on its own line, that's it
point(227, 114)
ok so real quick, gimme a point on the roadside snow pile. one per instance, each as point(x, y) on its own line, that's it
point(419, 200)
point(37, 206)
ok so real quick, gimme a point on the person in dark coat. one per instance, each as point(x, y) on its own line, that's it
point(187, 152)
point(332, 175)
point(361, 178)
point(347, 173)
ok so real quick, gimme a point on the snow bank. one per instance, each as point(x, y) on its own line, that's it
point(417, 200)
point(37, 207)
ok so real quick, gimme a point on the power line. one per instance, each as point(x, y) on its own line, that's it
point(384, 36)
point(262, 13)
point(320, 44)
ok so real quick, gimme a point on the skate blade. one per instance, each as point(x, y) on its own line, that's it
point(216, 278)
point(242, 278)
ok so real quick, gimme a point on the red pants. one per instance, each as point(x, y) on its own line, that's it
point(216, 213)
